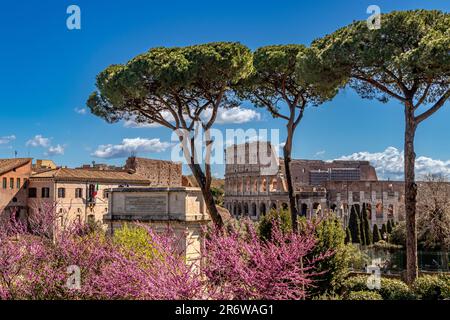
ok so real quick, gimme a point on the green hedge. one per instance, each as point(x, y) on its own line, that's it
point(364, 295)
point(432, 287)
point(391, 289)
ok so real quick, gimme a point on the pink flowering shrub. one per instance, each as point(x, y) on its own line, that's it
point(240, 265)
point(34, 264)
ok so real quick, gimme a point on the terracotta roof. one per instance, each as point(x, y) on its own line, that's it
point(7, 165)
point(86, 175)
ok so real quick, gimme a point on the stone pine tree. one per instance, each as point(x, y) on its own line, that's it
point(179, 88)
point(354, 226)
point(376, 234)
point(407, 59)
point(278, 85)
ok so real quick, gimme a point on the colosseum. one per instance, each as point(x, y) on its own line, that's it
point(255, 183)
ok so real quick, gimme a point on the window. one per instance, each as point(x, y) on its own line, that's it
point(25, 183)
point(61, 192)
point(78, 193)
point(5, 183)
point(32, 192)
point(45, 193)
point(18, 183)
point(11, 183)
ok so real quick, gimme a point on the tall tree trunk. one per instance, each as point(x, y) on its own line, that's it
point(410, 195)
point(287, 150)
point(207, 194)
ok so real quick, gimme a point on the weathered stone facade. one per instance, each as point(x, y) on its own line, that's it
point(180, 210)
point(160, 173)
point(251, 190)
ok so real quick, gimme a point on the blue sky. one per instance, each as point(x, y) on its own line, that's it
point(48, 71)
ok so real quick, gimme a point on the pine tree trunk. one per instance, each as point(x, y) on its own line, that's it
point(287, 150)
point(207, 194)
point(410, 195)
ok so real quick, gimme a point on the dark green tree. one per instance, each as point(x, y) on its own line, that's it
point(354, 226)
point(179, 88)
point(362, 230)
point(348, 236)
point(367, 232)
point(389, 227)
point(376, 234)
point(384, 231)
point(265, 225)
point(330, 236)
point(406, 59)
point(278, 85)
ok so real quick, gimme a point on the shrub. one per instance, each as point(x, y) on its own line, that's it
point(390, 289)
point(135, 239)
point(356, 283)
point(246, 267)
point(282, 217)
point(364, 295)
point(328, 296)
point(432, 287)
point(398, 234)
point(358, 260)
point(330, 237)
point(393, 289)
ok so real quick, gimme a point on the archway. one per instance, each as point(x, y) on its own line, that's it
point(262, 208)
point(253, 209)
point(304, 209)
point(245, 209)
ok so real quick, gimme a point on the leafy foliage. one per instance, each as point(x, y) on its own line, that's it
point(266, 222)
point(432, 287)
point(354, 226)
point(260, 269)
point(364, 295)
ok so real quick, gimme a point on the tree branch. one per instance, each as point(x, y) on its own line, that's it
point(433, 109)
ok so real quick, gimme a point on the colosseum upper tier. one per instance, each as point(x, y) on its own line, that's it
point(255, 183)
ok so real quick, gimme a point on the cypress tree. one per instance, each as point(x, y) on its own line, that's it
point(376, 234)
point(389, 227)
point(367, 232)
point(348, 236)
point(354, 226)
point(383, 231)
point(361, 225)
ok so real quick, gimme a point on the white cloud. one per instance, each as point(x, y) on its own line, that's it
point(7, 139)
point(389, 163)
point(235, 115)
point(81, 111)
point(38, 141)
point(129, 147)
point(54, 151)
point(320, 153)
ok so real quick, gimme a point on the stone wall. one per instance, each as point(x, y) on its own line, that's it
point(160, 173)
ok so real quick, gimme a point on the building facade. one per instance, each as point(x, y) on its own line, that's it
point(75, 194)
point(252, 190)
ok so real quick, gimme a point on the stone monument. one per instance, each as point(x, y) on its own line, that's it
point(180, 209)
